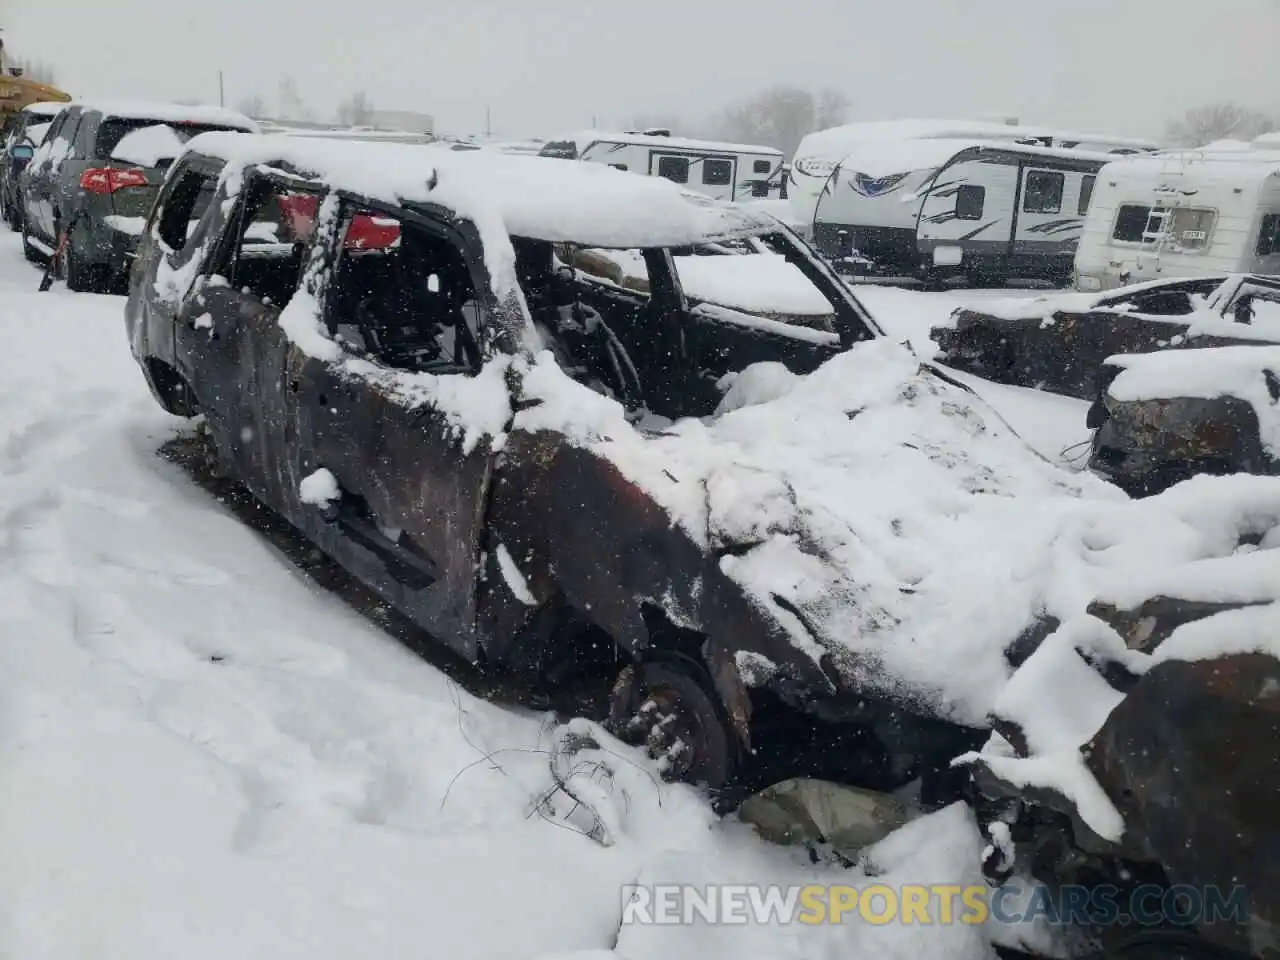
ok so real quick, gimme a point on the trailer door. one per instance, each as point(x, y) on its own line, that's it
point(1048, 221)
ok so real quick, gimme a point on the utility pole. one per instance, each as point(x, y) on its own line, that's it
point(488, 122)
point(222, 95)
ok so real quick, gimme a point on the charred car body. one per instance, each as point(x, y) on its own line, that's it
point(1059, 342)
point(94, 178)
point(1169, 685)
point(534, 554)
point(1161, 418)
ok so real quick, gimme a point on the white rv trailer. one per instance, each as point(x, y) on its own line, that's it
point(819, 153)
point(725, 171)
point(930, 208)
point(1182, 214)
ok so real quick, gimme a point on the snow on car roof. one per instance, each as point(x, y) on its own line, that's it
point(506, 195)
point(168, 112)
point(585, 138)
point(45, 108)
point(1243, 372)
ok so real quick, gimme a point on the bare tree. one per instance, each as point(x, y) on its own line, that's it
point(291, 105)
point(782, 115)
point(1220, 121)
point(253, 106)
point(355, 111)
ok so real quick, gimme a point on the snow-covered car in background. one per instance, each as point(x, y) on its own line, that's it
point(1058, 342)
point(21, 135)
point(739, 519)
point(1163, 417)
point(94, 178)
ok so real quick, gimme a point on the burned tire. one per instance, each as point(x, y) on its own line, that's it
point(667, 705)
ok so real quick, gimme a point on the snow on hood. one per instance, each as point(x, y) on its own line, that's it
point(878, 514)
point(147, 146)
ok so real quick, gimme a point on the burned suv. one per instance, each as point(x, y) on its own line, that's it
point(483, 384)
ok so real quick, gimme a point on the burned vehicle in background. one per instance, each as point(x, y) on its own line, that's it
point(1163, 417)
point(1058, 342)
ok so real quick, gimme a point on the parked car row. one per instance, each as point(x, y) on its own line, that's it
point(79, 179)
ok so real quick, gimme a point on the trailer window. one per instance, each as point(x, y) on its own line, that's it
point(1043, 192)
point(717, 173)
point(1189, 228)
point(1269, 235)
point(1086, 195)
point(970, 199)
point(760, 166)
point(1131, 223)
point(674, 168)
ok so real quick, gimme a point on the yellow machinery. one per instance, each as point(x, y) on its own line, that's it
point(16, 91)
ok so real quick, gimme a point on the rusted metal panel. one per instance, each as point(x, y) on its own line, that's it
point(1062, 354)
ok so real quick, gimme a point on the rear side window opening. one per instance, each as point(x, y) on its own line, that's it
point(186, 203)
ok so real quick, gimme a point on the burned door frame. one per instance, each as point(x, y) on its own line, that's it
point(161, 314)
point(233, 333)
point(402, 468)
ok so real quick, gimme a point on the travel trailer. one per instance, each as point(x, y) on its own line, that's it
point(1182, 214)
point(724, 171)
point(934, 208)
point(820, 153)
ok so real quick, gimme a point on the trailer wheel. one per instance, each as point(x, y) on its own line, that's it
point(667, 705)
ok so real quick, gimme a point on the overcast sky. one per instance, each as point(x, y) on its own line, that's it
point(543, 66)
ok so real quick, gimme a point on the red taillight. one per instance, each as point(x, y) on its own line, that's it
point(109, 179)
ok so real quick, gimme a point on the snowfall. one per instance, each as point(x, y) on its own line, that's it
point(206, 755)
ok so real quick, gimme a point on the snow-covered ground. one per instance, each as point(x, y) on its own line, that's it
point(205, 755)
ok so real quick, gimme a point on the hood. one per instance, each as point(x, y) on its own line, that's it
point(888, 521)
